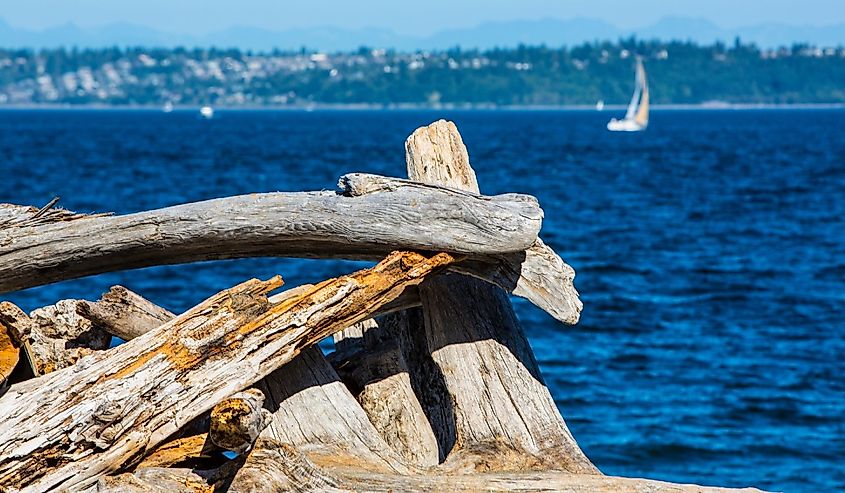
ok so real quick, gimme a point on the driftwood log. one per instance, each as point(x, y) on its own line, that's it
point(366, 219)
point(432, 387)
point(469, 364)
point(55, 336)
point(123, 313)
point(178, 451)
point(71, 426)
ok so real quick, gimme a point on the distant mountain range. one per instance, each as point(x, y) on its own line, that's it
point(553, 32)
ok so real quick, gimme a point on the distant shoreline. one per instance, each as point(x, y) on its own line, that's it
point(425, 107)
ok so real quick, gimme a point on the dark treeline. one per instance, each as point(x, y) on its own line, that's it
point(679, 73)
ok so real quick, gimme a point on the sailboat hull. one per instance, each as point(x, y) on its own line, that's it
point(625, 126)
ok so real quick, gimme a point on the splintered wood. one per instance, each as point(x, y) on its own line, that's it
point(69, 427)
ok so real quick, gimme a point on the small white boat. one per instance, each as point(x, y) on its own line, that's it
point(168, 107)
point(207, 112)
point(600, 105)
point(636, 118)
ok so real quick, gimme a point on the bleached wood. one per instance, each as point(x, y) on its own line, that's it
point(21, 216)
point(69, 427)
point(168, 480)
point(504, 417)
point(297, 224)
point(292, 472)
point(316, 424)
point(155, 480)
point(538, 274)
point(130, 315)
point(274, 466)
point(54, 336)
point(417, 448)
point(375, 370)
point(342, 434)
point(536, 482)
point(371, 217)
point(123, 313)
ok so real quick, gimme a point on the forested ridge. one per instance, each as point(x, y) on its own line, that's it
point(679, 73)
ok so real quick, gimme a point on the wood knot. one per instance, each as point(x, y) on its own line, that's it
point(109, 411)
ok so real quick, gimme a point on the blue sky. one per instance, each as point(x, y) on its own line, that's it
point(203, 16)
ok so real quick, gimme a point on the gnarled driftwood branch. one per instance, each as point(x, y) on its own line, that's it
point(370, 217)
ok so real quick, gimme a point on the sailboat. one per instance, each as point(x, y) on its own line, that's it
point(636, 118)
point(207, 112)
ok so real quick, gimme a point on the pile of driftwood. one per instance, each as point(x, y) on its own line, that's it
point(432, 387)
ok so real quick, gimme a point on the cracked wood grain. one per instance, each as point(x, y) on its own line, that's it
point(504, 416)
point(65, 429)
point(296, 224)
point(124, 313)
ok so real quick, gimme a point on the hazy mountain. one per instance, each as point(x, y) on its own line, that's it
point(765, 35)
point(553, 32)
point(123, 34)
point(324, 38)
point(687, 28)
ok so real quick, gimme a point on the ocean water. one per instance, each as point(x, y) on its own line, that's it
point(710, 253)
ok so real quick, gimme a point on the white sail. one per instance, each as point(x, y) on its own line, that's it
point(636, 117)
point(635, 99)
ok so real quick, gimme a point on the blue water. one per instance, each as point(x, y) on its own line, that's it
point(710, 253)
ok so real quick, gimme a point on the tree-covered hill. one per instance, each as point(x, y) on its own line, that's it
point(679, 73)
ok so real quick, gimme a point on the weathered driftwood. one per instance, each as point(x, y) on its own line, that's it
point(400, 216)
point(276, 466)
point(286, 463)
point(189, 448)
point(372, 216)
point(373, 366)
point(22, 216)
point(157, 479)
point(538, 274)
point(69, 427)
point(168, 480)
point(237, 421)
point(233, 424)
point(466, 362)
point(535, 482)
point(126, 314)
point(315, 415)
point(129, 315)
point(123, 313)
point(54, 336)
point(134, 322)
point(394, 417)
point(504, 417)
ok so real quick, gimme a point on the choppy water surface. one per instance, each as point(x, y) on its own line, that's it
point(709, 253)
